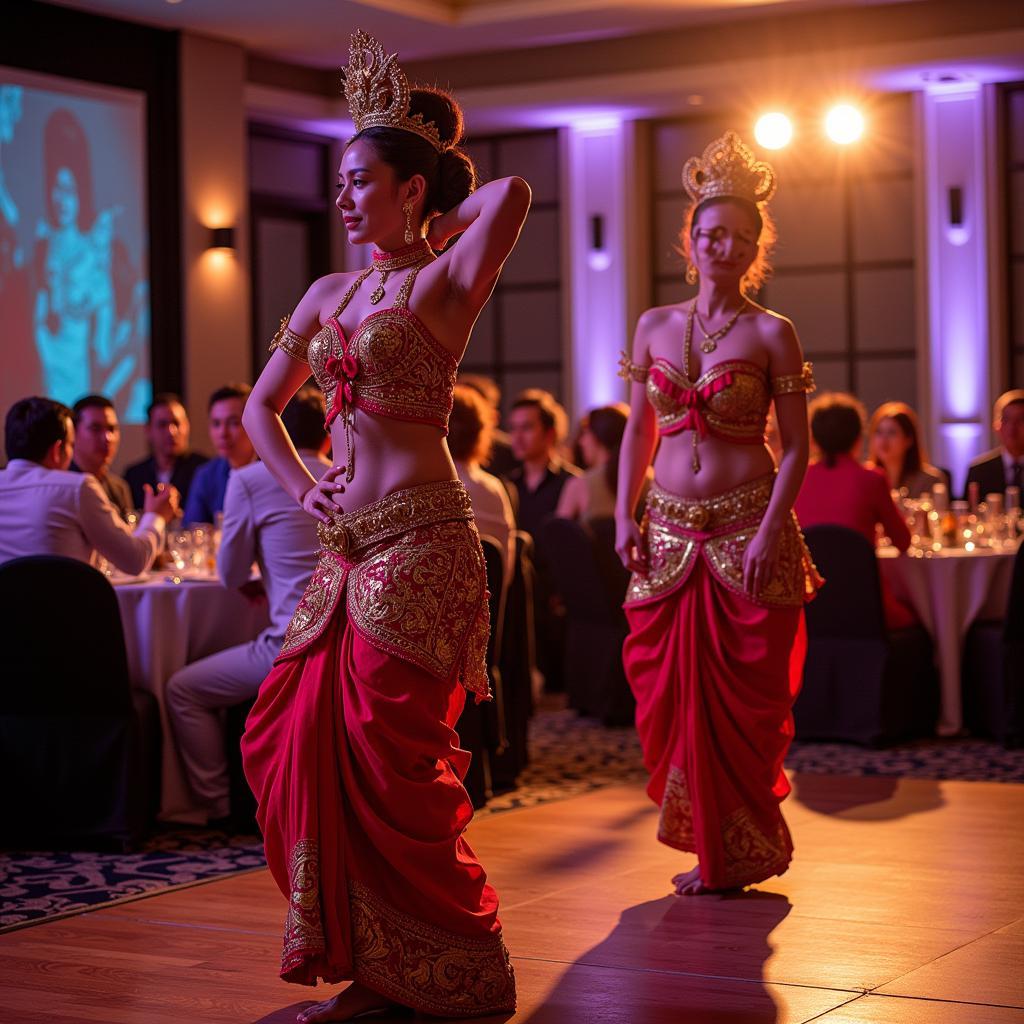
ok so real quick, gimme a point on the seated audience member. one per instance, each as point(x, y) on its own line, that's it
point(47, 510)
point(839, 491)
point(895, 446)
point(500, 461)
point(469, 435)
point(592, 495)
point(1003, 466)
point(170, 461)
point(97, 438)
point(262, 524)
point(537, 426)
point(233, 448)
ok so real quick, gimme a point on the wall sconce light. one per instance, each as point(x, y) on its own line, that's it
point(598, 258)
point(222, 238)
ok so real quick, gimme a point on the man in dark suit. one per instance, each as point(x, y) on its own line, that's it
point(167, 430)
point(97, 438)
point(1003, 466)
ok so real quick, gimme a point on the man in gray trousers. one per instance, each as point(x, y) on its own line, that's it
point(261, 524)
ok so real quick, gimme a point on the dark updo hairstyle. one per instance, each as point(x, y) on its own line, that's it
point(451, 175)
point(837, 423)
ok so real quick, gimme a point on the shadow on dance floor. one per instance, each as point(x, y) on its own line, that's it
point(867, 797)
point(674, 959)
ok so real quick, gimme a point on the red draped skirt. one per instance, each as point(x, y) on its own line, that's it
point(715, 675)
point(352, 755)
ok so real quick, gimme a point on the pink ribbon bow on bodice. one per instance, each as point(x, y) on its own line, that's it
point(692, 398)
point(344, 371)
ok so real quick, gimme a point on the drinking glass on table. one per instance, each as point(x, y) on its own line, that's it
point(179, 548)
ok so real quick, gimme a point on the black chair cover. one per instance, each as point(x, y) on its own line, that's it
point(861, 682)
point(79, 747)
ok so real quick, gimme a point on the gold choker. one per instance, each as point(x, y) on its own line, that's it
point(408, 256)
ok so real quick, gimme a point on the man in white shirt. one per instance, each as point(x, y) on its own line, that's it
point(47, 510)
point(262, 524)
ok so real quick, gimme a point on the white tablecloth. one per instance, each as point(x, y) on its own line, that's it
point(949, 591)
point(167, 626)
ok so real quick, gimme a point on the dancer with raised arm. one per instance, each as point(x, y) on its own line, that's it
point(720, 570)
point(350, 748)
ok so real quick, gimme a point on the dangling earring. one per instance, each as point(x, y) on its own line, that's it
point(691, 274)
point(409, 237)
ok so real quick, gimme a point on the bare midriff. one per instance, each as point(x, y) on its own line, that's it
point(724, 465)
point(390, 455)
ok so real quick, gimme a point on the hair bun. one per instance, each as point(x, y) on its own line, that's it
point(440, 107)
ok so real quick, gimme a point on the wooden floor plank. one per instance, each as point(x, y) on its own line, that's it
point(906, 887)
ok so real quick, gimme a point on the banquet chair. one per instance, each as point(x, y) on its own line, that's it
point(596, 627)
point(862, 682)
point(481, 727)
point(993, 669)
point(79, 746)
point(516, 663)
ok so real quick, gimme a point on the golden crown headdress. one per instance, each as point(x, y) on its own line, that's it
point(378, 91)
point(729, 168)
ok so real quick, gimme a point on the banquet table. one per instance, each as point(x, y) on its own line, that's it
point(949, 590)
point(171, 620)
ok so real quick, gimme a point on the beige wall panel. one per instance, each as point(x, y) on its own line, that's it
point(481, 343)
point(886, 380)
point(668, 292)
point(883, 220)
point(517, 380)
point(674, 142)
point(531, 326)
point(809, 219)
point(535, 158)
point(885, 316)
point(668, 221)
point(286, 168)
point(284, 273)
point(1015, 119)
point(816, 303)
point(1016, 208)
point(829, 376)
point(536, 257)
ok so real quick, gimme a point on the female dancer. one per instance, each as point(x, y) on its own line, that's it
point(350, 748)
point(720, 570)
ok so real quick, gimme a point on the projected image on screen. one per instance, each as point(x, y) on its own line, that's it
point(74, 289)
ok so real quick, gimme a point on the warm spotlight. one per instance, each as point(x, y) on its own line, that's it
point(844, 124)
point(773, 131)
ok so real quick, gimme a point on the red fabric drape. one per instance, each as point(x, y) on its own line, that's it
point(354, 760)
point(715, 676)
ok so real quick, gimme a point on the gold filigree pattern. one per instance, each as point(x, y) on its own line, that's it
point(415, 578)
point(675, 824)
point(751, 855)
point(731, 398)
point(288, 341)
point(425, 967)
point(720, 528)
point(628, 370)
point(303, 930)
point(728, 167)
point(795, 383)
point(418, 597)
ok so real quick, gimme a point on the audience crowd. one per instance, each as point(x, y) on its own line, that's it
point(60, 496)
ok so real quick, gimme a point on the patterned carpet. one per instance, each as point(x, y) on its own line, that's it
point(569, 756)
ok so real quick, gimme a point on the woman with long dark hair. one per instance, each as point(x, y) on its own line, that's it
point(350, 748)
point(592, 495)
point(895, 446)
point(720, 570)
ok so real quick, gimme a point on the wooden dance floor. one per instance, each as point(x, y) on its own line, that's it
point(905, 905)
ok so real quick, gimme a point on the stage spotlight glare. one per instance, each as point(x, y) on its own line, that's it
point(773, 131)
point(844, 124)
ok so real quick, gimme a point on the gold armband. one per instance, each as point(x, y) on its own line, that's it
point(795, 383)
point(629, 370)
point(288, 341)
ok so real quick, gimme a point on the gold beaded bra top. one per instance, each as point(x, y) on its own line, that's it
point(391, 366)
point(729, 400)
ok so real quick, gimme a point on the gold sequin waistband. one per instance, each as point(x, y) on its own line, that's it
point(709, 515)
point(396, 514)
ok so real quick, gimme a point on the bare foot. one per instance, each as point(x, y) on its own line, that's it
point(353, 1002)
point(690, 883)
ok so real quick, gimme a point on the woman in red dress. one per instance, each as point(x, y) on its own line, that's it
point(720, 570)
point(350, 748)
